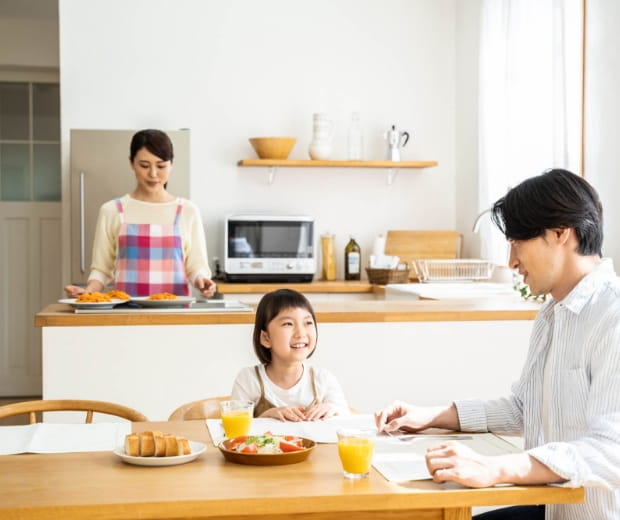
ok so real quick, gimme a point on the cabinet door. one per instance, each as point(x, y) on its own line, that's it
point(100, 171)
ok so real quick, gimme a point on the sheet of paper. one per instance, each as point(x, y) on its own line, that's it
point(319, 431)
point(62, 438)
point(401, 458)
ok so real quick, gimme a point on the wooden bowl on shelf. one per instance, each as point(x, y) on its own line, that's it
point(273, 147)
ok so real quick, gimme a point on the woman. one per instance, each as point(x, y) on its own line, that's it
point(149, 241)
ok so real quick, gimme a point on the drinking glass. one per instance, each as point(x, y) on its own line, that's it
point(355, 448)
point(236, 417)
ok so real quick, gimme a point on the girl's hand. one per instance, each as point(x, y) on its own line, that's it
point(320, 411)
point(286, 413)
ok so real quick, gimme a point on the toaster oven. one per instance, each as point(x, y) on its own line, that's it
point(269, 248)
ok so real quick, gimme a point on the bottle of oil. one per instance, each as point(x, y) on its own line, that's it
point(352, 260)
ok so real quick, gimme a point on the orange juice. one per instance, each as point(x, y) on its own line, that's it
point(355, 454)
point(236, 423)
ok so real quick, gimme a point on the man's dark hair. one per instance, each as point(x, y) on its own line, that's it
point(555, 199)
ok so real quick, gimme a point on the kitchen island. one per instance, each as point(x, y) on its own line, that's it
point(425, 351)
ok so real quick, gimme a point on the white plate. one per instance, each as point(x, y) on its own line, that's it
point(144, 301)
point(197, 449)
point(91, 305)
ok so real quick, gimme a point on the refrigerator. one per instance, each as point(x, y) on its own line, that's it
point(100, 171)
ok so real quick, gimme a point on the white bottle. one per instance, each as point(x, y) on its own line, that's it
point(355, 141)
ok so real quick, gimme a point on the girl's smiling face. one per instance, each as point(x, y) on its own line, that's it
point(291, 335)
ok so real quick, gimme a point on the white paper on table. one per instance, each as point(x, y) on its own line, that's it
point(62, 438)
point(318, 431)
point(400, 459)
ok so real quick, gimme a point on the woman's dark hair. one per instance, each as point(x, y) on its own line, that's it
point(155, 141)
point(268, 308)
point(555, 199)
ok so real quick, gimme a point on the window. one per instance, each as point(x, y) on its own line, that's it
point(29, 141)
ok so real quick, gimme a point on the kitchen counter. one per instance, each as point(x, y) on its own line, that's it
point(464, 309)
point(316, 286)
point(424, 351)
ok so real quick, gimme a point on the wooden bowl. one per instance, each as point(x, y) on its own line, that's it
point(264, 459)
point(272, 147)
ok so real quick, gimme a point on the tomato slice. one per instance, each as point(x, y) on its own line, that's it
point(233, 443)
point(287, 446)
point(294, 439)
point(250, 448)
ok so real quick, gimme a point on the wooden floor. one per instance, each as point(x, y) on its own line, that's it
point(20, 419)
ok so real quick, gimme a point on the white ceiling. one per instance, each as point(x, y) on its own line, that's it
point(47, 9)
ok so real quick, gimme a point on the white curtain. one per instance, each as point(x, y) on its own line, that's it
point(530, 99)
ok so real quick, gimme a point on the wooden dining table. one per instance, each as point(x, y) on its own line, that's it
point(98, 485)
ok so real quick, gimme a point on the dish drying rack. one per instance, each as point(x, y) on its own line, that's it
point(453, 270)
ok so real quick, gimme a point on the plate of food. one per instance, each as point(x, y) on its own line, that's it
point(162, 300)
point(154, 448)
point(92, 300)
point(267, 449)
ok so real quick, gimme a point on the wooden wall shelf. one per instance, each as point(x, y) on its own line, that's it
point(308, 163)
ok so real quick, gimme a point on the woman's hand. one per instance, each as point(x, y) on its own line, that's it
point(73, 291)
point(320, 411)
point(206, 286)
point(286, 413)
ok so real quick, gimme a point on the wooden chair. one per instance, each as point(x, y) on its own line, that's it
point(32, 408)
point(208, 408)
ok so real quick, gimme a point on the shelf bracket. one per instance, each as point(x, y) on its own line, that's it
point(391, 175)
point(271, 171)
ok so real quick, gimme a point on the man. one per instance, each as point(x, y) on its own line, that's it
point(566, 403)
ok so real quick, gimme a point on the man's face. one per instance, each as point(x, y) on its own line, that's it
point(538, 260)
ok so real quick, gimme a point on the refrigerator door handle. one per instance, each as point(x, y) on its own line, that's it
point(82, 259)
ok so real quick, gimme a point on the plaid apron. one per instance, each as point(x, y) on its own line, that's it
point(150, 258)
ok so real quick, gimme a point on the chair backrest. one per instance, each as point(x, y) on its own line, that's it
point(65, 405)
point(208, 408)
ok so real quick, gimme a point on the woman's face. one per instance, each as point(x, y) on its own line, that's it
point(151, 171)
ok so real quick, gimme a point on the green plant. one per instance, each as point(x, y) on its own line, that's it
point(524, 290)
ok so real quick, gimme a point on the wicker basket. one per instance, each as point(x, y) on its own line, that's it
point(385, 276)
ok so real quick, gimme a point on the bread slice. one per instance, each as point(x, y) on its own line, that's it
point(132, 444)
point(160, 443)
point(147, 444)
point(172, 449)
point(183, 446)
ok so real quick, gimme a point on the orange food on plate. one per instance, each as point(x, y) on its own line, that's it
point(163, 296)
point(118, 295)
point(93, 297)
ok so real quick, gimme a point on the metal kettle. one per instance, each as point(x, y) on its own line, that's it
point(396, 140)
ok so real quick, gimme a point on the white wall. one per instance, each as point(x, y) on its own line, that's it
point(237, 69)
point(603, 115)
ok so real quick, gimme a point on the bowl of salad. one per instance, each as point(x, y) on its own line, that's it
point(267, 449)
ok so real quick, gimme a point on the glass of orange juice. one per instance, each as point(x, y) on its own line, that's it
point(355, 448)
point(236, 417)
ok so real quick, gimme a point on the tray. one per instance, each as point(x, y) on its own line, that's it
point(468, 269)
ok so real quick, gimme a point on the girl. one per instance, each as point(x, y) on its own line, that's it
point(283, 386)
